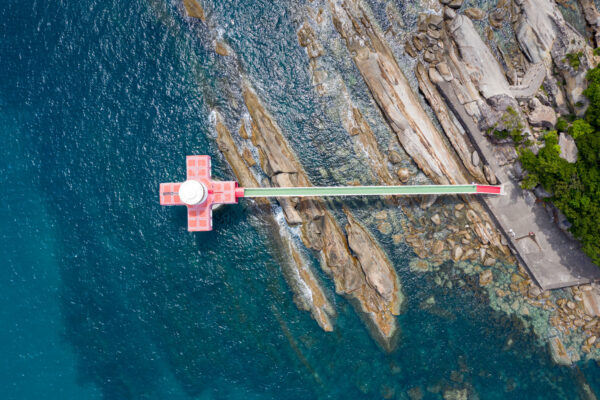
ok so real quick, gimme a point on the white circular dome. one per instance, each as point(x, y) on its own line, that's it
point(192, 192)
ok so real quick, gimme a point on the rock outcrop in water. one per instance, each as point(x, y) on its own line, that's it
point(308, 293)
point(194, 9)
point(377, 268)
point(321, 232)
point(414, 129)
point(392, 92)
point(351, 117)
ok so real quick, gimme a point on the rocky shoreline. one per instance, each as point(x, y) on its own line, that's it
point(308, 292)
point(470, 85)
point(354, 277)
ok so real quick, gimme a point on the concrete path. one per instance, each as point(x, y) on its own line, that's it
point(553, 259)
point(531, 82)
point(370, 190)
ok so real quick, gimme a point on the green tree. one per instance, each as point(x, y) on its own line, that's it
point(575, 187)
point(579, 128)
point(562, 125)
point(592, 92)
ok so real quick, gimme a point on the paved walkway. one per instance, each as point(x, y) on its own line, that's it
point(370, 190)
point(553, 259)
point(533, 79)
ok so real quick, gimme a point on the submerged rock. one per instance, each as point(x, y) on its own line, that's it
point(475, 13)
point(456, 394)
point(415, 393)
point(486, 277)
point(194, 9)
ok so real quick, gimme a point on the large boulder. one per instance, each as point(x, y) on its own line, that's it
point(568, 147)
point(375, 265)
point(482, 66)
point(541, 115)
point(475, 13)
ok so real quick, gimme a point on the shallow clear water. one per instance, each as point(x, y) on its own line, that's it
point(105, 293)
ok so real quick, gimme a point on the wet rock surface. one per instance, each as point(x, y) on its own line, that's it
point(297, 270)
point(194, 9)
point(376, 294)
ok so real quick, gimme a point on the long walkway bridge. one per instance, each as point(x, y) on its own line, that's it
point(200, 193)
point(408, 190)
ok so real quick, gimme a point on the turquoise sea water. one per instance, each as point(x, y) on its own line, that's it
point(105, 294)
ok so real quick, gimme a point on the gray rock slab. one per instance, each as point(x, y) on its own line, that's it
point(568, 148)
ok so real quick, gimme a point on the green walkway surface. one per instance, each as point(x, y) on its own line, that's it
point(359, 190)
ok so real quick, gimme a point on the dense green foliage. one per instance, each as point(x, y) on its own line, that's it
point(592, 116)
point(575, 186)
point(562, 125)
point(579, 128)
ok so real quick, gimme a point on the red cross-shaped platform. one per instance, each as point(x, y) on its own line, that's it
point(216, 192)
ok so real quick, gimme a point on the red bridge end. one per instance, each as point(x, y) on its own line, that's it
point(489, 189)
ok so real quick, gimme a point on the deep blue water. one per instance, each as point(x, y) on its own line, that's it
point(104, 292)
